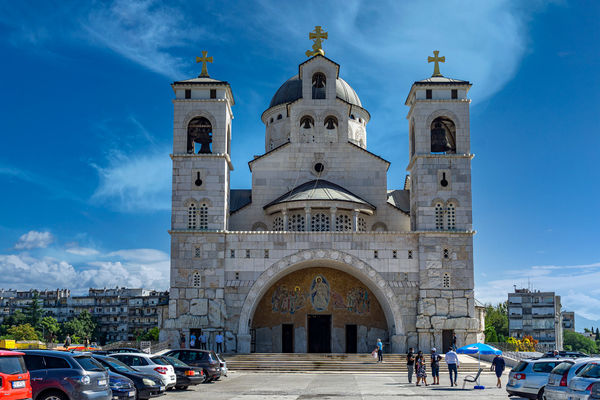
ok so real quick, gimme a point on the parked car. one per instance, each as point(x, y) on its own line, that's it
point(143, 363)
point(125, 350)
point(146, 385)
point(565, 354)
point(186, 374)
point(558, 380)
point(595, 393)
point(580, 387)
point(122, 387)
point(222, 364)
point(14, 377)
point(205, 359)
point(61, 375)
point(529, 377)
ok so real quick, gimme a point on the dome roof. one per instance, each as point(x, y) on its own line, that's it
point(291, 90)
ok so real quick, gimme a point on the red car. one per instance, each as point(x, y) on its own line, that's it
point(14, 377)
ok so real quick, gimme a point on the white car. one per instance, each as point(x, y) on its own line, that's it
point(143, 363)
point(580, 387)
point(557, 387)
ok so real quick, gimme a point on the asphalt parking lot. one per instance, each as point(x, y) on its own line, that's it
point(299, 386)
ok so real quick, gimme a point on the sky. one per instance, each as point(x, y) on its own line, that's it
point(86, 125)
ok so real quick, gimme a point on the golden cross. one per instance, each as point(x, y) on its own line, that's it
point(204, 60)
point(435, 59)
point(317, 36)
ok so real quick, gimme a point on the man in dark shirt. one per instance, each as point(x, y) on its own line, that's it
point(498, 365)
point(410, 364)
point(435, 366)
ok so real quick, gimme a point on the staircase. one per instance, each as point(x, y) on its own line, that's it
point(355, 363)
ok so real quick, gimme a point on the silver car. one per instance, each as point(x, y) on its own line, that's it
point(580, 386)
point(529, 377)
point(558, 381)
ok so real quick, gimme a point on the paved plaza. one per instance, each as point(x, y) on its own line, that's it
point(299, 386)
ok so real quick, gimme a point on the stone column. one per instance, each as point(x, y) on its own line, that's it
point(333, 212)
point(285, 219)
point(243, 343)
point(307, 219)
point(355, 220)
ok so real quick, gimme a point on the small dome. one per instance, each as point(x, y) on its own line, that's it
point(291, 90)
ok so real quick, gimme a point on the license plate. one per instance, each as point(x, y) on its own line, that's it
point(18, 384)
point(131, 394)
point(162, 388)
point(101, 382)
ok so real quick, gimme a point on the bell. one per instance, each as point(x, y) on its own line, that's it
point(306, 124)
point(330, 124)
point(439, 142)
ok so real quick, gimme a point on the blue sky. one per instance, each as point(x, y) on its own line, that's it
point(86, 124)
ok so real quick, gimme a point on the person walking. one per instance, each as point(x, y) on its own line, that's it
point(435, 366)
point(86, 343)
point(219, 341)
point(410, 363)
point(193, 341)
point(203, 339)
point(421, 366)
point(67, 342)
point(452, 362)
point(379, 351)
point(498, 365)
point(182, 341)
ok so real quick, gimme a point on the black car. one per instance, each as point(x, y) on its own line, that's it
point(122, 387)
point(147, 386)
point(205, 359)
point(62, 375)
point(186, 374)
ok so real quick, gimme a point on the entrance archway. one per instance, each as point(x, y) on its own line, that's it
point(332, 259)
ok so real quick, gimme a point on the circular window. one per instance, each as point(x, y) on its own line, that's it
point(319, 167)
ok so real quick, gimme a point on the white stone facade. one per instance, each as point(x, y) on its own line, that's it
point(419, 269)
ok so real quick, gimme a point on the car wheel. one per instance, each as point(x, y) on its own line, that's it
point(540, 395)
point(206, 376)
point(53, 395)
point(181, 387)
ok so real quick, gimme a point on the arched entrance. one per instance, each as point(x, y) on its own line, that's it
point(355, 273)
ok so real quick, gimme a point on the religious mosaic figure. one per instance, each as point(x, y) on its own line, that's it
point(319, 293)
point(287, 301)
point(358, 301)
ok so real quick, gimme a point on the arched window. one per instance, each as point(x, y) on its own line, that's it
point(278, 224)
point(362, 224)
point(320, 222)
point(192, 216)
point(450, 216)
point(196, 279)
point(199, 132)
point(343, 223)
point(412, 139)
point(331, 123)
point(296, 223)
point(443, 136)
point(307, 122)
point(203, 217)
point(279, 116)
point(439, 216)
point(318, 85)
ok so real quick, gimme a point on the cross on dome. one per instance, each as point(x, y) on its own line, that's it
point(318, 35)
point(436, 60)
point(204, 59)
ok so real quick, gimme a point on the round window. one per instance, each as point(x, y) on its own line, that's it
point(319, 167)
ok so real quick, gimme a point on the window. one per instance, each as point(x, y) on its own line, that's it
point(296, 223)
point(266, 253)
point(318, 85)
point(231, 253)
point(196, 279)
point(446, 253)
point(410, 254)
point(188, 93)
point(87, 363)
point(362, 224)
point(446, 280)
point(443, 136)
point(278, 224)
point(343, 223)
point(375, 254)
point(34, 363)
point(271, 120)
point(198, 252)
point(237, 276)
point(279, 116)
point(428, 93)
point(55, 362)
point(12, 365)
point(192, 215)
point(320, 222)
point(455, 93)
point(450, 216)
point(203, 214)
point(199, 132)
point(545, 367)
point(318, 167)
point(394, 254)
point(247, 253)
point(439, 216)
point(213, 93)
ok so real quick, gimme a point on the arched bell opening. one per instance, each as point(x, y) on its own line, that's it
point(318, 85)
point(443, 136)
point(199, 136)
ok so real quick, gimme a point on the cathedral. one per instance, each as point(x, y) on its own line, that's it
point(321, 255)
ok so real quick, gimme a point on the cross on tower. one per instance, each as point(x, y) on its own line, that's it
point(435, 59)
point(318, 35)
point(204, 60)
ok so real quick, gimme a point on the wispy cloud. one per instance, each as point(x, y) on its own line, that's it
point(34, 240)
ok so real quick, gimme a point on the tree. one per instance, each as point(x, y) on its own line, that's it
point(578, 342)
point(81, 326)
point(22, 332)
point(34, 310)
point(490, 334)
point(597, 334)
point(16, 318)
point(497, 317)
point(50, 328)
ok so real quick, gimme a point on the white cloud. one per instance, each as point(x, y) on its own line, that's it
point(34, 240)
point(82, 251)
point(144, 255)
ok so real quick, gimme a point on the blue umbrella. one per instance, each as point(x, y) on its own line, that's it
point(478, 348)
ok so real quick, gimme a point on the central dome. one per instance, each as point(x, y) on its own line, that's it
point(291, 90)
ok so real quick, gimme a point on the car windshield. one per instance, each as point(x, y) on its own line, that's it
point(562, 368)
point(160, 361)
point(174, 361)
point(520, 366)
point(12, 365)
point(591, 371)
point(89, 364)
point(117, 365)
